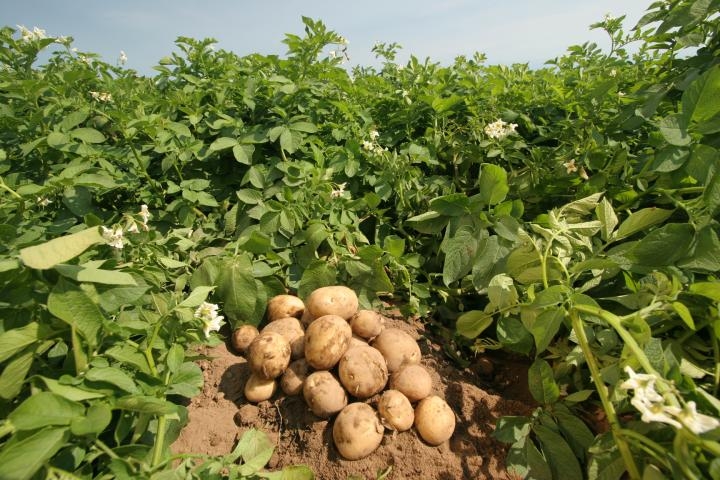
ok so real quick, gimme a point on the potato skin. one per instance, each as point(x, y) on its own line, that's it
point(326, 340)
point(335, 300)
point(324, 394)
point(367, 324)
point(269, 355)
point(282, 306)
point(292, 380)
point(357, 431)
point(434, 420)
point(243, 336)
point(413, 381)
point(363, 371)
point(398, 348)
point(395, 410)
point(292, 330)
point(258, 389)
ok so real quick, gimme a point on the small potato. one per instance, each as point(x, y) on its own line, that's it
point(337, 300)
point(434, 420)
point(292, 380)
point(306, 318)
point(398, 348)
point(395, 410)
point(362, 371)
point(367, 324)
point(326, 340)
point(243, 336)
point(292, 330)
point(357, 431)
point(281, 306)
point(324, 394)
point(413, 381)
point(258, 389)
point(269, 355)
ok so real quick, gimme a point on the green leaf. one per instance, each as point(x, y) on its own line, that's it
point(664, 245)
point(575, 431)
point(21, 459)
point(501, 291)
point(608, 220)
point(174, 358)
point(57, 140)
point(87, 135)
point(71, 305)
point(113, 376)
point(186, 381)
point(471, 324)
point(68, 391)
point(306, 127)
point(453, 205)
point(511, 429)
point(700, 99)
point(223, 143)
point(243, 153)
point(546, 326)
point(45, 409)
point(711, 195)
point(669, 159)
point(641, 220)
point(674, 130)
point(460, 253)
point(493, 184)
point(709, 290)
point(81, 273)
point(542, 383)
point(237, 289)
point(684, 314)
point(487, 261)
point(60, 250)
point(113, 299)
point(256, 449)
point(12, 341)
point(14, 373)
point(513, 335)
point(318, 274)
point(559, 455)
point(429, 222)
point(197, 296)
point(146, 404)
point(94, 422)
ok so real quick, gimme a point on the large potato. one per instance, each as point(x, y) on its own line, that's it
point(367, 324)
point(324, 394)
point(337, 300)
point(413, 381)
point(362, 371)
point(292, 380)
point(269, 355)
point(396, 411)
point(281, 306)
point(292, 330)
point(357, 432)
point(243, 336)
point(434, 420)
point(258, 389)
point(398, 348)
point(326, 340)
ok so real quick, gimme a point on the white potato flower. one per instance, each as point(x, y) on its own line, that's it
point(113, 237)
point(208, 313)
point(696, 422)
point(122, 60)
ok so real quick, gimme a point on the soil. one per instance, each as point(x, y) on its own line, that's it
point(492, 387)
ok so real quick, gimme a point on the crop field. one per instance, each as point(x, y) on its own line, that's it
point(528, 258)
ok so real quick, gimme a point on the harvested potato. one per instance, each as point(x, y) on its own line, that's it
point(434, 420)
point(357, 431)
point(367, 324)
point(362, 371)
point(258, 389)
point(357, 342)
point(326, 340)
point(292, 380)
point(398, 348)
point(282, 306)
point(336, 300)
point(306, 318)
point(243, 336)
point(324, 394)
point(395, 410)
point(292, 330)
point(269, 355)
point(413, 381)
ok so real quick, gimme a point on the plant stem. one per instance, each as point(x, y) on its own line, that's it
point(615, 427)
point(10, 190)
point(159, 440)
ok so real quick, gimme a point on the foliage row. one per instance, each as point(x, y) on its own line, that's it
point(567, 213)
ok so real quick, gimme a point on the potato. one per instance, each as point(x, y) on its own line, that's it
point(326, 340)
point(306, 318)
point(398, 348)
point(282, 306)
point(269, 355)
point(367, 324)
point(395, 410)
point(362, 371)
point(357, 342)
point(413, 381)
point(357, 431)
point(434, 420)
point(292, 380)
point(337, 300)
point(292, 330)
point(243, 336)
point(258, 389)
point(324, 394)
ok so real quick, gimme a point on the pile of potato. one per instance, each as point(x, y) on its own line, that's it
point(328, 351)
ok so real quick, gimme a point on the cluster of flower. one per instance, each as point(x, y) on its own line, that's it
point(338, 192)
point(341, 51)
point(122, 60)
point(208, 313)
point(372, 145)
point(31, 35)
point(115, 236)
point(499, 129)
point(572, 168)
point(101, 96)
point(655, 407)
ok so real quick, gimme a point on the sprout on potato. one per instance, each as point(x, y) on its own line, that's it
point(367, 324)
point(258, 389)
point(396, 411)
point(269, 355)
point(326, 340)
point(324, 394)
point(357, 431)
point(292, 330)
point(243, 336)
point(413, 381)
point(434, 420)
point(335, 300)
point(282, 306)
point(398, 348)
point(363, 371)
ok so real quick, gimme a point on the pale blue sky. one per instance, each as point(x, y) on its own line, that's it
point(525, 31)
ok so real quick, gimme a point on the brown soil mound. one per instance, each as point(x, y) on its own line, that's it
point(220, 414)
